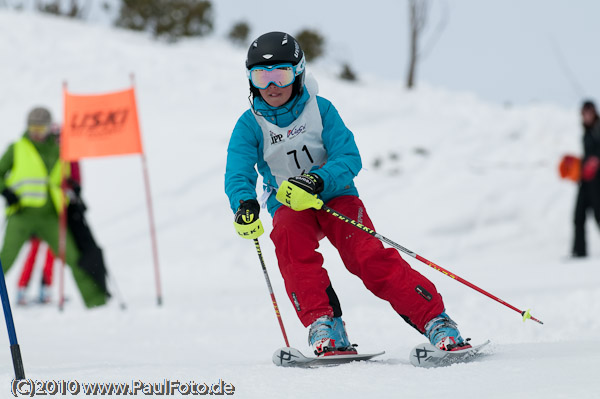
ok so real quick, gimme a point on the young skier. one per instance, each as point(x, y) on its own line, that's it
point(290, 133)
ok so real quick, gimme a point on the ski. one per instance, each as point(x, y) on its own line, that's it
point(427, 355)
point(292, 357)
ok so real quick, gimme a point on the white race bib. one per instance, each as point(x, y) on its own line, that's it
point(295, 149)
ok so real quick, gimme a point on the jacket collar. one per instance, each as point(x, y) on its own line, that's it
point(287, 113)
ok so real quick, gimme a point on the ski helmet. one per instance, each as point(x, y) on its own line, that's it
point(277, 48)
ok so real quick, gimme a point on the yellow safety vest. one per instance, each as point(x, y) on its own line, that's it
point(29, 178)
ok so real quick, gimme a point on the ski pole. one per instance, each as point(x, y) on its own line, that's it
point(12, 335)
point(114, 284)
point(526, 315)
point(262, 262)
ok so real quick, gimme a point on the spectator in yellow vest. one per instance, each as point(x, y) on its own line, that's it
point(30, 177)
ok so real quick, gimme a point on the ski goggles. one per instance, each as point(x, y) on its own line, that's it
point(281, 75)
point(38, 130)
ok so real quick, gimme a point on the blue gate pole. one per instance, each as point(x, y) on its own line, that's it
point(10, 325)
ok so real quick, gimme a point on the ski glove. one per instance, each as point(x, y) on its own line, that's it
point(590, 168)
point(11, 197)
point(300, 192)
point(312, 183)
point(246, 221)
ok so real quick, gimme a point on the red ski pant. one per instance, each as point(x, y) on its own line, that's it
point(30, 262)
point(296, 237)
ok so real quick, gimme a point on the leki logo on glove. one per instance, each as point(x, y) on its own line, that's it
point(296, 198)
point(249, 231)
point(248, 217)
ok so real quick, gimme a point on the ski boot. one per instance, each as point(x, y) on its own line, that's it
point(45, 295)
point(21, 298)
point(443, 333)
point(327, 336)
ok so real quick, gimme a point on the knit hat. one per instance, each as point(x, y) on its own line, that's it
point(588, 105)
point(39, 116)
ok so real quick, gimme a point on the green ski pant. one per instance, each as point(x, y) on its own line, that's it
point(43, 223)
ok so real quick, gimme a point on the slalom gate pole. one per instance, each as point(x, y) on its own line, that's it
point(15, 351)
point(264, 268)
point(62, 240)
point(526, 315)
point(159, 297)
point(149, 207)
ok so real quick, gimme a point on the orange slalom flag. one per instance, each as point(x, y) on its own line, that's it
point(100, 125)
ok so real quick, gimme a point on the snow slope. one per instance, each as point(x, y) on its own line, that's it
point(470, 185)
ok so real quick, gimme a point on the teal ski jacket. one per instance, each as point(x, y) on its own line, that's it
point(245, 152)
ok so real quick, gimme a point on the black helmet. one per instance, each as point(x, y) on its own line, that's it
point(277, 48)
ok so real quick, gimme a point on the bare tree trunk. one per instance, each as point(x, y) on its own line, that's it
point(74, 10)
point(79, 9)
point(418, 20)
point(414, 36)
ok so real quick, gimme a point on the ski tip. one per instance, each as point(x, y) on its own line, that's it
point(287, 356)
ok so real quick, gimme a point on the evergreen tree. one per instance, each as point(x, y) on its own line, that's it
point(239, 33)
point(172, 19)
point(312, 44)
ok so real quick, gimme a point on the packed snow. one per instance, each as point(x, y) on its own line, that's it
point(472, 186)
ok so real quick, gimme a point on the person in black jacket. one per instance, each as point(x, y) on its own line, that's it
point(588, 196)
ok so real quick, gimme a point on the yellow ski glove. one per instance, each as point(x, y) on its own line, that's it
point(246, 223)
point(300, 192)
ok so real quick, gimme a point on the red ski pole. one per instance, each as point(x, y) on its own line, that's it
point(526, 315)
point(264, 267)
